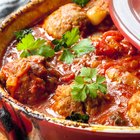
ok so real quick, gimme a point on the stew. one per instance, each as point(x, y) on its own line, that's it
point(75, 65)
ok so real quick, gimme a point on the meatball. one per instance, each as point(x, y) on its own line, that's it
point(26, 79)
point(63, 102)
point(134, 109)
point(64, 19)
point(97, 105)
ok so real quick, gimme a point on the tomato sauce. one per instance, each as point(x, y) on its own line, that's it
point(115, 58)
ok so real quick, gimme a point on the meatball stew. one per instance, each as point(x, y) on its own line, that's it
point(75, 65)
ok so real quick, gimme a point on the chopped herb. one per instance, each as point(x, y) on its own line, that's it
point(88, 82)
point(70, 50)
point(68, 39)
point(29, 46)
point(67, 56)
point(59, 44)
point(83, 118)
point(25, 54)
point(21, 34)
point(84, 46)
point(71, 37)
point(81, 2)
point(45, 51)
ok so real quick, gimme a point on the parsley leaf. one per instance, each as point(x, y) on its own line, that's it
point(59, 44)
point(79, 92)
point(92, 90)
point(25, 54)
point(100, 79)
point(67, 56)
point(21, 34)
point(83, 47)
point(68, 39)
point(88, 82)
point(79, 80)
point(45, 51)
point(102, 88)
point(67, 45)
point(88, 72)
point(83, 118)
point(26, 42)
point(81, 2)
point(29, 46)
point(71, 37)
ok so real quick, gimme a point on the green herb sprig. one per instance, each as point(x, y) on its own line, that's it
point(88, 82)
point(69, 47)
point(82, 3)
point(83, 47)
point(68, 39)
point(21, 34)
point(68, 44)
point(83, 118)
point(31, 46)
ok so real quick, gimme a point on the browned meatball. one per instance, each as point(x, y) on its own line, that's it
point(26, 79)
point(65, 105)
point(134, 109)
point(63, 102)
point(94, 106)
point(64, 19)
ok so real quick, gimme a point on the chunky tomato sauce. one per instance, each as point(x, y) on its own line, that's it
point(114, 57)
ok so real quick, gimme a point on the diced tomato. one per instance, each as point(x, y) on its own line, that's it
point(68, 77)
point(113, 44)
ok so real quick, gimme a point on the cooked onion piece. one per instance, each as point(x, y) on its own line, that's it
point(98, 12)
point(96, 15)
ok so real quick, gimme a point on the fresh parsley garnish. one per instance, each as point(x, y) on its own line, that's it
point(31, 46)
point(67, 56)
point(69, 47)
point(88, 82)
point(21, 34)
point(68, 39)
point(81, 2)
point(83, 118)
point(83, 47)
point(71, 37)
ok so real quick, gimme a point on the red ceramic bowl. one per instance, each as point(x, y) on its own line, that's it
point(18, 121)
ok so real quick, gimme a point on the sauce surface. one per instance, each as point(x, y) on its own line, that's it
point(114, 58)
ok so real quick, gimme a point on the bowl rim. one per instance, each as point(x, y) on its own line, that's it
point(118, 10)
point(65, 123)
